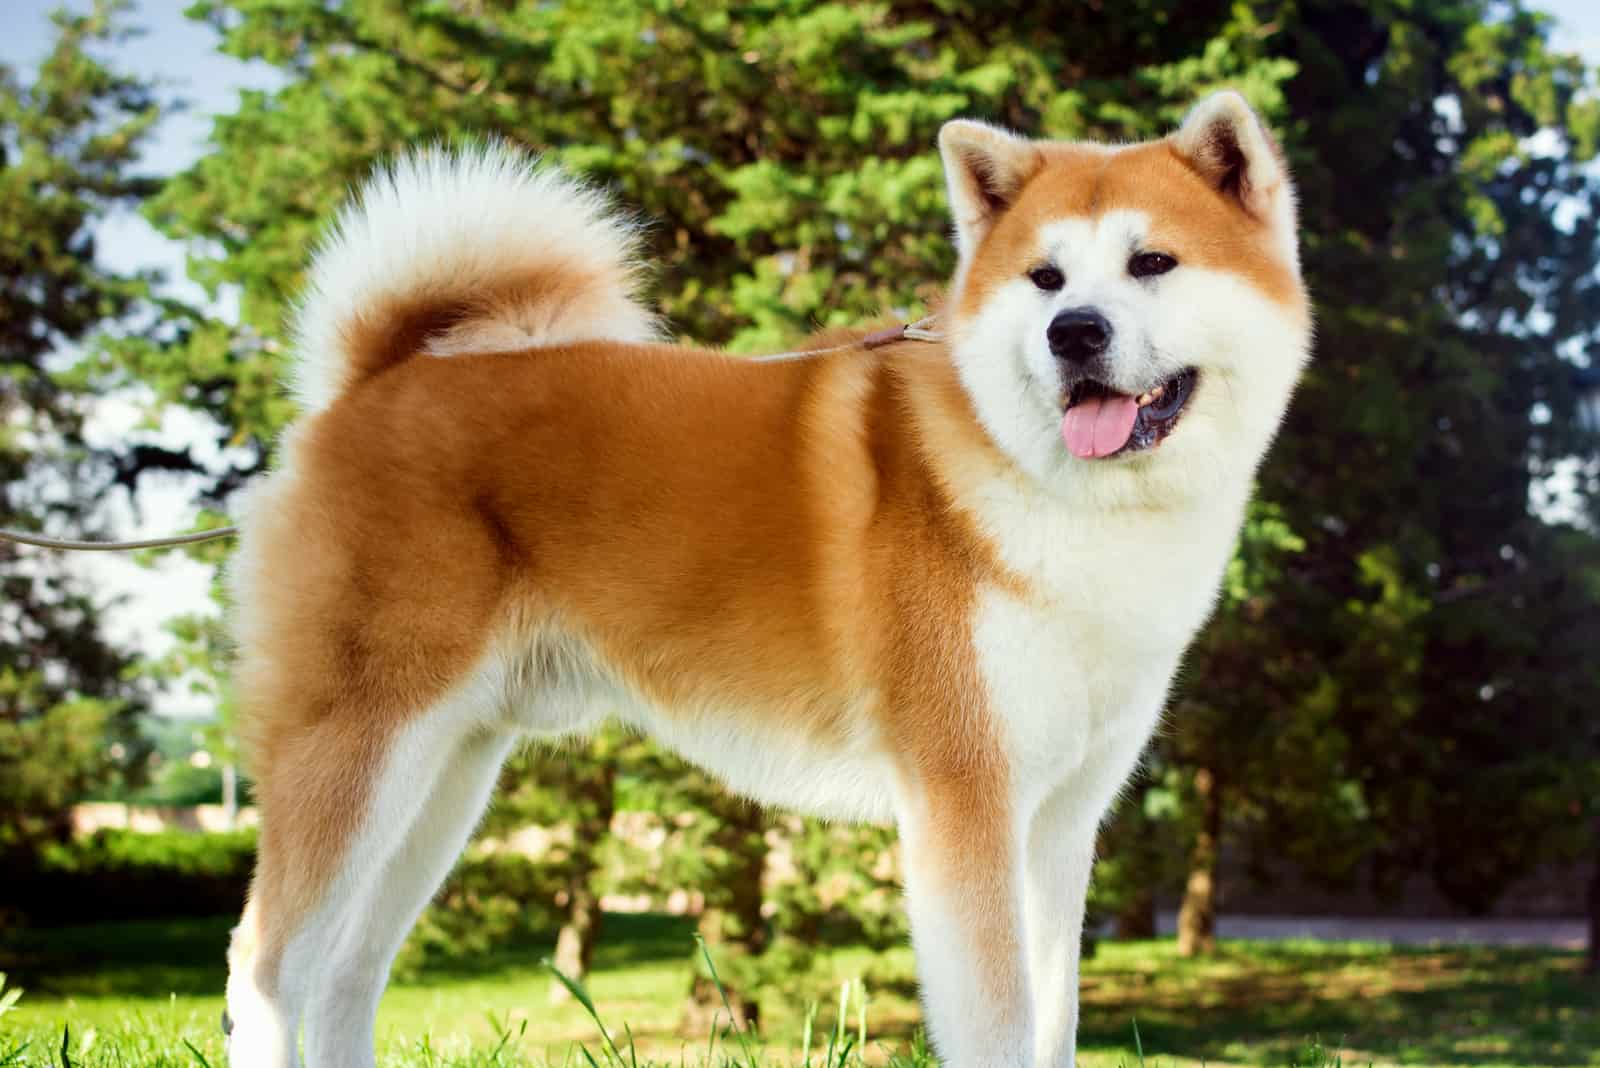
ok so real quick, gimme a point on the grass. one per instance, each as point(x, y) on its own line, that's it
point(148, 995)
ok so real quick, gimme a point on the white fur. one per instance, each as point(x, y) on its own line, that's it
point(425, 801)
point(438, 813)
point(445, 224)
point(1077, 674)
point(1249, 351)
point(265, 1031)
point(778, 767)
point(1059, 858)
point(573, 690)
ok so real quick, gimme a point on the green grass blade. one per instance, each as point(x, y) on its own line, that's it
point(201, 1057)
point(582, 997)
point(805, 1034)
point(744, 1039)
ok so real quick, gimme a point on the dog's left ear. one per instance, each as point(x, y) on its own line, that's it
point(1227, 144)
point(984, 168)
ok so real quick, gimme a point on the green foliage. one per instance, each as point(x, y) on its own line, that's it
point(67, 145)
point(569, 788)
point(180, 783)
point(176, 853)
point(736, 1046)
point(48, 761)
point(8, 998)
point(491, 899)
point(723, 854)
point(115, 874)
point(1141, 853)
point(1384, 688)
point(845, 886)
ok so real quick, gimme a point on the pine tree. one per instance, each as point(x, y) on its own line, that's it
point(68, 144)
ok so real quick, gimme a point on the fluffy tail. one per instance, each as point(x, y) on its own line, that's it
point(448, 251)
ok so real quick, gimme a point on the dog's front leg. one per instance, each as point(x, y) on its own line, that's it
point(1060, 855)
point(965, 897)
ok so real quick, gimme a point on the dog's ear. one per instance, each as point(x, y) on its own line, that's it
point(1229, 146)
point(984, 168)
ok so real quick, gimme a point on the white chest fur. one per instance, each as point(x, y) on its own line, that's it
point(1077, 669)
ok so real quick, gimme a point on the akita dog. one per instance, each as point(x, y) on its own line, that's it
point(942, 582)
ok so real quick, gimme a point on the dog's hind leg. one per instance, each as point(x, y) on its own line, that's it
point(443, 800)
point(361, 819)
point(312, 787)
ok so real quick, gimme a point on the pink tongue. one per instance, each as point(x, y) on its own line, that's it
point(1099, 426)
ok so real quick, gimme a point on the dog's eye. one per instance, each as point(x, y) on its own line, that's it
point(1150, 264)
point(1047, 278)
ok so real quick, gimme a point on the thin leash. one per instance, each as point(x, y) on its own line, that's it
point(921, 330)
point(73, 545)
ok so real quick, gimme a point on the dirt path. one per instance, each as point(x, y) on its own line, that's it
point(1557, 933)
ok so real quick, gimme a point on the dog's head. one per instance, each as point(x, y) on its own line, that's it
point(1130, 320)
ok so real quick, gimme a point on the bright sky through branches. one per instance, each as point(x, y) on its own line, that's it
point(181, 56)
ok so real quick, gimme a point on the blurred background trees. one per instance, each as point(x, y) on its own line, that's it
point(68, 702)
point(1402, 675)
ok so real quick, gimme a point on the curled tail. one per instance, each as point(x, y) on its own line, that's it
point(472, 250)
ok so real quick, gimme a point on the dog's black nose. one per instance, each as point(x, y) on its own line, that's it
point(1078, 335)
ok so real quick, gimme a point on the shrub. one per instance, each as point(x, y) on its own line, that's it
point(181, 783)
point(491, 899)
point(120, 875)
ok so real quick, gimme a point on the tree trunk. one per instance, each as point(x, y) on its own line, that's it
point(732, 925)
point(1593, 963)
point(581, 929)
point(230, 795)
point(575, 943)
point(1197, 920)
point(1137, 916)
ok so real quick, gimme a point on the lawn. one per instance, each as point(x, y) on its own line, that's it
point(143, 994)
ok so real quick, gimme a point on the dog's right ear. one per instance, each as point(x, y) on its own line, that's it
point(985, 168)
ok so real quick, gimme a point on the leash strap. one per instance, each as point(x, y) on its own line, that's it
point(71, 545)
point(921, 330)
point(924, 329)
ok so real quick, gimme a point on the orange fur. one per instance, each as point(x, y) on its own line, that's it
point(672, 517)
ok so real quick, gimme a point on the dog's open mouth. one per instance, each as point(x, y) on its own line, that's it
point(1099, 422)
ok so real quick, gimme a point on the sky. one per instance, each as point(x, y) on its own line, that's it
point(181, 56)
